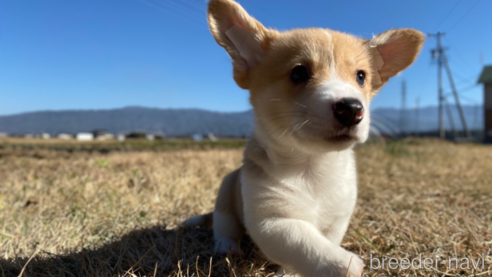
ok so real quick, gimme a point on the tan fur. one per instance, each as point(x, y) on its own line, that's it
point(398, 48)
point(229, 198)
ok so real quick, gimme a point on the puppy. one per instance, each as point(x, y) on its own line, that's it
point(310, 90)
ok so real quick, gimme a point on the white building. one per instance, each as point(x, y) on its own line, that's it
point(85, 136)
point(45, 136)
point(106, 136)
point(197, 137)
point(150, 137)
point(212, 137)
point(65, 136)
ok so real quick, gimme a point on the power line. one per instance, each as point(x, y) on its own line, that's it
point(201, 17)
point(462, 90)
point(467, 12)
point(450, 11)
point(194, 4)
point(466, 80)
point(191, 18)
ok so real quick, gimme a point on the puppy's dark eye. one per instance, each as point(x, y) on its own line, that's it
point(299, 74)
point(360, 77)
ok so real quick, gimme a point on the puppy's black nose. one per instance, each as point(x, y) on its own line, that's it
point(348, 111)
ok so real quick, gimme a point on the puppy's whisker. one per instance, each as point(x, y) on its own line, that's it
point(300, 126)
point(283, 133)
point(286, 116)
point(297, 103)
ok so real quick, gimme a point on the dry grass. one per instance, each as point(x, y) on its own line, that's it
point(115, 214)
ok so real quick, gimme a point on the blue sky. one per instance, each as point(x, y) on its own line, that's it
point(95, 54)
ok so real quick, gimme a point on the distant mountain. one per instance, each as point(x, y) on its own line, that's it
point(171, 122)
point(388, 120)
point(184, 122)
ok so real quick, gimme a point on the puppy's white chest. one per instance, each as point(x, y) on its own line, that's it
point(324, 199)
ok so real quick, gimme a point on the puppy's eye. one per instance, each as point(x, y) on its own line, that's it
point(360, 77)
point(299, 74)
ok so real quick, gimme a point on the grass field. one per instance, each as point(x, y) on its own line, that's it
point(115, 213)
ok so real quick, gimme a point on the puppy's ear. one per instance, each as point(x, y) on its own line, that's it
point(391, 52)
point(244, 38)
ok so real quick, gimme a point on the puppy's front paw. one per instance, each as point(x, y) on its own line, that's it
point(283, 272)
point(355, 265)
point(224, 246)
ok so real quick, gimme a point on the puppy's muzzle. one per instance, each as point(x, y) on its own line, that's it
point(348, 111)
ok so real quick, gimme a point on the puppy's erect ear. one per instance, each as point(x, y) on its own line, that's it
point(391, 52)
point(244, 38)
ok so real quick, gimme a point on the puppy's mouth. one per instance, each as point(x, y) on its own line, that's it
point(341, 136)
point(335, 135)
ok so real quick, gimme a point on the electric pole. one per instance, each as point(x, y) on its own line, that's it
point(450, 117)
point(417, 108)
point(456, 98)
point(437, 53)
point(403, 119)
point(443, 60)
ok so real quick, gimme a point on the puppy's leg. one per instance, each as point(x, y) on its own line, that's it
point(227, 233)
point(227, 222)
point(199, 220)
point(338, 229)
point(299, 245)
point(284, 272)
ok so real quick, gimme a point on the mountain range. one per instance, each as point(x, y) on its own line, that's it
point(184, 122)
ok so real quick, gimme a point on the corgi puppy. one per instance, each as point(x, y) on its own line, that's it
point(310, 90)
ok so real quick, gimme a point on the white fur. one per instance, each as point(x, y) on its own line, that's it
point(300, 212)
point(333, 66)
point(331, 92)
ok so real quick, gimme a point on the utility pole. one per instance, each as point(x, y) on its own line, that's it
point(456, 98)
point(442, 59)
point(417, 108)
point(450, 117)
point(437, 53)
point(476, 125)
point(403, 119)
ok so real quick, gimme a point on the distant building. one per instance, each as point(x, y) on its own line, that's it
point(486, 79)
point(197, 137)
point(3, 135)
point(64, 136)
point(212, 137)
point(121, 137)
point(85, 136)
point(150, 137)
point(106, 136)
point(28, 136)
point(45, 136)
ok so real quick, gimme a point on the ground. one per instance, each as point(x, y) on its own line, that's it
point(75, 212)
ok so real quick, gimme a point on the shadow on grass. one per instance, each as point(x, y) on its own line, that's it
point(148, 252)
